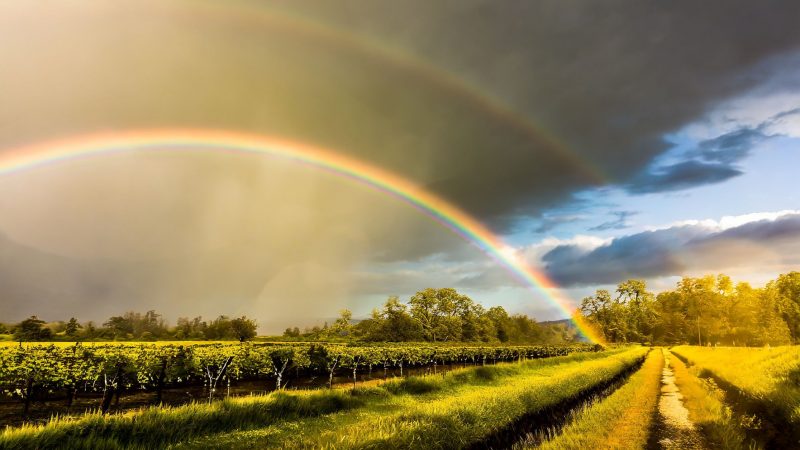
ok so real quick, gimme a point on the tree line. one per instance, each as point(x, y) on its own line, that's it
point(133, 326)
point(709, 310)
point(430, 315)
point(437, 315)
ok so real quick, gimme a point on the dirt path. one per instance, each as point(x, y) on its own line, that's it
point(674, 429)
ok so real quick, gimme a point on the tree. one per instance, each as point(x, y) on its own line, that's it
point(424, 311)
point(699, 294)
point(771, 328)
point(120, 327)
point(32, 329)
point(788, 287)
point(440, 313)
point(341, 327)
point(191, 328)
point(219, 328)
point(292, 332)
point(499, 318)
point(72, 327)
point(396, 323)
point(640, 315)
point(243, 328)
point(671, 325)
point(607, 314)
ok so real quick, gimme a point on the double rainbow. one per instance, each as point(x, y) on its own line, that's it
point(440, 210)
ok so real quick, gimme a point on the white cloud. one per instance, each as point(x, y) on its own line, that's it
point(726, 222)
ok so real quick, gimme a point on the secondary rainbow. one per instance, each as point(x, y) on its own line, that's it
point(444, 212)
point(405, 61)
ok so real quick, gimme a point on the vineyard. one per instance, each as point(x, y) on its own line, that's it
point(469, 406)
point(433, 396)
point(39, 371)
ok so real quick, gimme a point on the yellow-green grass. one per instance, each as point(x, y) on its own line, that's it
point(623, 420)
point(704, 401)
point(767, 375)
point(456, 416)
point(762, 385)
point(154, 427)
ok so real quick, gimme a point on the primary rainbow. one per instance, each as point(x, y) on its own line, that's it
point(442, 211)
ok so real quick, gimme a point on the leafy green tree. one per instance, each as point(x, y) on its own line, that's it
point(671, 325)
point(341, 327)
point(32, 329)
point(501, 322)
point(443, 314)
point(292, 332)
point(219, 328)
point(772, 328)
point(396, 324)
point(120, 327)
point(700, 294)
point(788, 287)
point(243, 328)
point(640, 314)
point(73, 327)
point(424, 310)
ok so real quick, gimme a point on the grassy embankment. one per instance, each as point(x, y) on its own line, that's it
point(623, 420)
point(707, 409)
point(761, 386)
point(464, 408)
point(156, 427)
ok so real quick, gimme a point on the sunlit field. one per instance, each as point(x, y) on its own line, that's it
point(759, 388)
point(520, 397)
point(400, 224)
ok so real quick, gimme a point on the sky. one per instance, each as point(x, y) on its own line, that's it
point(600, 141)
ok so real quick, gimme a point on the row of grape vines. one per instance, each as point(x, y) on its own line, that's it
point(33, 370)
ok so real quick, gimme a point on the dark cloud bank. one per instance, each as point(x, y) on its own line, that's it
point(678, 250)
point(604, 80)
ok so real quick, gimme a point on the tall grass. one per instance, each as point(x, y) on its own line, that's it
point(769, 377)
point(623, 420)
point(470, 415)
point(707, 410)
point(156, 427)
point(761, 385)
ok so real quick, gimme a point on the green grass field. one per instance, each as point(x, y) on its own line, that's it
point(758, 390)
point(605, 399)
point(623, 420)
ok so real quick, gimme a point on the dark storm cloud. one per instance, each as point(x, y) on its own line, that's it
point(676, 250)
point(606, 79)
point(600, 81)
point(620, 223)
point(603, 80)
